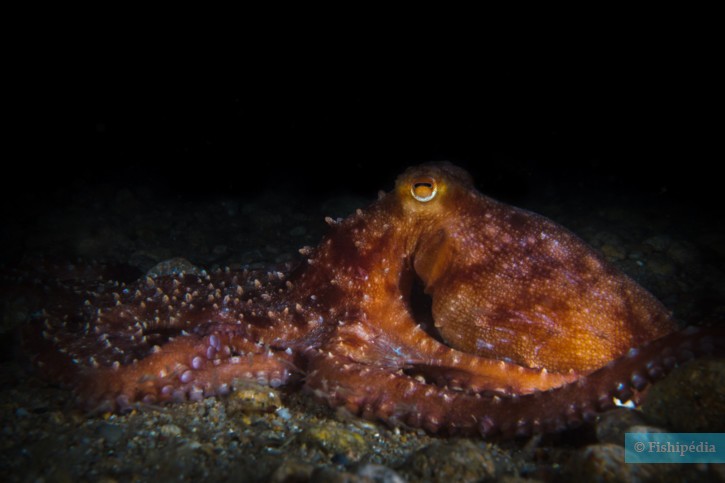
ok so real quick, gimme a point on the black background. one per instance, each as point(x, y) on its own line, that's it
point(632, 119)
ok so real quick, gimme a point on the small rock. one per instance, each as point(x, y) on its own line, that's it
point(448, 461)
point(252, 398)
point(292, 470)
point(690, 399)
point(170, 431)
point(661, 265)
point(369, 473)
point(643, 428)
point(283, 413)
point(378, 473)
point(614, 252)
point(613, 424)
point(605, 462)
point(333, 437)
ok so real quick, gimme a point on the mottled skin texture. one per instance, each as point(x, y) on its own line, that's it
point(435, 307)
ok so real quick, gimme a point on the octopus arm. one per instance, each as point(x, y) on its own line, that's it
point(417, 354)
point(476, 374)
point(400, 399)
point(189, 367)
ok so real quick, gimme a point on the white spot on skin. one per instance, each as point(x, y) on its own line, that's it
point(482, 344)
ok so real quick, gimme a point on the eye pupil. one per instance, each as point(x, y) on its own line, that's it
point(424, 189)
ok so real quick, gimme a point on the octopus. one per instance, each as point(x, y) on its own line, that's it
point(436, 307)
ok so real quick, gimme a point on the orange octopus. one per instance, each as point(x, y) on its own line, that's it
point(436, 307)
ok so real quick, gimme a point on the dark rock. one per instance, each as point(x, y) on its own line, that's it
point(448, 461)
point(690, 399)
point(613, 424)
point(336, 438)
point(606, 462)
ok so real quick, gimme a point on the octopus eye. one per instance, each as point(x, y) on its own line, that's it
point(424, 189)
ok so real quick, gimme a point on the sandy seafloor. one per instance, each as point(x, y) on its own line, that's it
point(261, 434)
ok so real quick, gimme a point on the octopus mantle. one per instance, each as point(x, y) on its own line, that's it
point(436, 307)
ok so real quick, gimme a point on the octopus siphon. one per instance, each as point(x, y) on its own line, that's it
point(436, 307)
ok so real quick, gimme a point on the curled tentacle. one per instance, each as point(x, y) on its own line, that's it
point(402, 399)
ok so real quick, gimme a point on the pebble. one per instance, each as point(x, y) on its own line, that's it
point(661, 265)
point(449, 461)
point(283, 413)
point(369, 473)
point(334, 437)
point(614, 252)
point(252, 398)
point(690, 399)
point(606, 463)
point(612, 425)
point(292, 470)
point(378, 474)
point(170, 431)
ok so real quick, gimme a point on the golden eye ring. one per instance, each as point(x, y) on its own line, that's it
point(424, 189)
